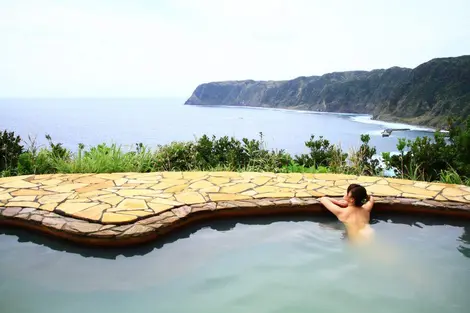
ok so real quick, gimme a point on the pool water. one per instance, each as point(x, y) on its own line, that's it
point(249, 265)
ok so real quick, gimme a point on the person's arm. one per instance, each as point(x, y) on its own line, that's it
point(333, 208)
point(369, 204)
point(342, 203)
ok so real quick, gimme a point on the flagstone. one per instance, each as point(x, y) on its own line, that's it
point(111, 218)
point(201, 184)
point(249, 193)
point(178, 188)
point(74, 207)
point(136, 192)
point(452, 192)
point(23, 204)
point(160, 207)
point(414, 190)
point(58, 197)
point(23, 198)
point(66, 187)
point(194, 175)
point(275, 195)
point(440, 198)
point(17, 184)
point(90, 180)
point(93, 194)
point(400, 181)
point(302, 194)
point(190, 197)
point(173, 175)
point(5, 196)
point(132, 204)
point(49, 206)
point(218, 180)
point(261, 180)
point(266, 189)
point(294, 178)
point(210, 189)
point(166, 185)
point(228, 197)
point(126, 197)
point(30, 192)
point(139, 213)
point(383, 190)
point(165, 201)
point(92, 213)
point(120, 181)
point(237, 188)
point(291, 185)
point(367, 179)
point(98, 186)
point(417, 196)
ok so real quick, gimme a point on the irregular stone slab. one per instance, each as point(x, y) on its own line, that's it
point(453, 192)
point(30, 192)
point(24, 204)
point(11, 211)
point(190, 198)
point(74, 207)
point(65, 188)
point(49, 206)
point(201, 184)
point(18, 184)
point(237, 188)
point(227, 197)
point(93, 213)
point(110, 218)
point(383, 190)
point(132, 204)
point(261, 180)
point(414, 190)
point(160, 207)
point(177, 188)
point(165, 201)
point(23, 198)
point(54, 198)
point(5, 196)
point(218, 180)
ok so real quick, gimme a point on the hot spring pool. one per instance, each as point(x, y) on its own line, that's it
point(254, 265)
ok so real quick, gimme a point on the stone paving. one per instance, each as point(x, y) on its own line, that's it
point(98, 204)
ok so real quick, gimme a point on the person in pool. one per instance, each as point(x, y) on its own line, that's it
point(354, 212)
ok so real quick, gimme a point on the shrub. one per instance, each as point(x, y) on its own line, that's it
point(10, 151)
point(322, 153)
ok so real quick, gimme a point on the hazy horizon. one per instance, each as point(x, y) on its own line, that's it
point(164, 49)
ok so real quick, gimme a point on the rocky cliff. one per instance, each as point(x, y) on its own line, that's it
point(424, 95)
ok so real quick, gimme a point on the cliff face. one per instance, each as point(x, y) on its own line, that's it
point(426, 94)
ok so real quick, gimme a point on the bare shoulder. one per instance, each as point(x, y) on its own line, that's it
point(369, 204)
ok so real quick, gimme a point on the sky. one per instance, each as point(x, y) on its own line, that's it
point(165, 48)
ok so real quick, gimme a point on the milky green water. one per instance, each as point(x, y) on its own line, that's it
point(246, 266)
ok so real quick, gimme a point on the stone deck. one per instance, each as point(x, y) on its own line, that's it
point(135, 207)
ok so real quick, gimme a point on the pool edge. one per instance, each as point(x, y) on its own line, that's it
point(152, 228)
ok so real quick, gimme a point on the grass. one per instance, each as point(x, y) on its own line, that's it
point(207, 154)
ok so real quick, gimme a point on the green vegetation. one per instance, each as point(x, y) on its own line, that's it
point(425, 95)
point(431, 159)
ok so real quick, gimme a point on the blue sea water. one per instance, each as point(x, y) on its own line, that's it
point(161, 121)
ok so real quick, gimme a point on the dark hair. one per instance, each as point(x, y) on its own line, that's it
point(359, 194)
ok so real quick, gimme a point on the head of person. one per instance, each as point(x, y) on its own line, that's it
point(356, 195)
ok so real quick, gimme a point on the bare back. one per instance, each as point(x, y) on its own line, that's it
point(356, 220)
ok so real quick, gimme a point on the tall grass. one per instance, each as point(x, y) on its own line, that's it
point(228, 154)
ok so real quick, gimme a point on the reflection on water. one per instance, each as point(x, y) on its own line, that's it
point(260, 265)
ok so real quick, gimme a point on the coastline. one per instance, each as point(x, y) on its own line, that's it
point(414, 122)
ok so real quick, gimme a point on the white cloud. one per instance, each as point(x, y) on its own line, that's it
point(165, 48)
